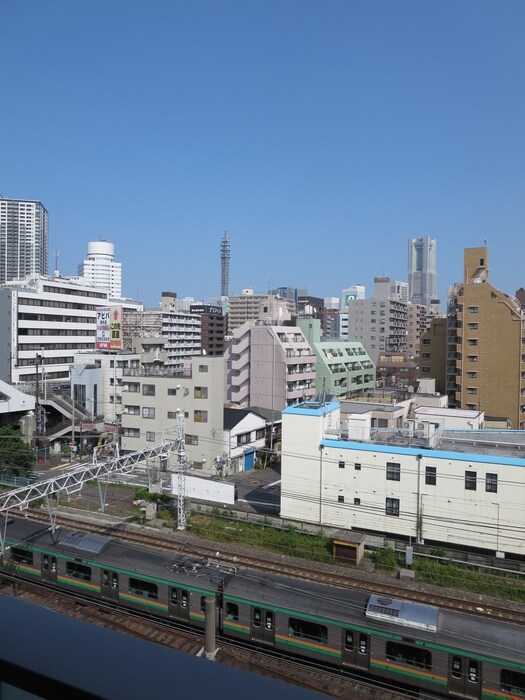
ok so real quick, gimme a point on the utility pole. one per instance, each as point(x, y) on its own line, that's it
point(181, 473)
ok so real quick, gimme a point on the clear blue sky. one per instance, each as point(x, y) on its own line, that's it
point(320, 134)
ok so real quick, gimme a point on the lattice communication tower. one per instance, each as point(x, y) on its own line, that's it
point(225, 265)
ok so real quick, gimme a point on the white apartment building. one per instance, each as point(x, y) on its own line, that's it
point(440, 488)
point(152, 397)
point(379, 324)
point(269, 366)
point(23, 239)
point(101, 270)
point(46, 320)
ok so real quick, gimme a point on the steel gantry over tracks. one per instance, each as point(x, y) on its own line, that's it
point(73, 481)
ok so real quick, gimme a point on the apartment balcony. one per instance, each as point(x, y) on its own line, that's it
point(240, 363)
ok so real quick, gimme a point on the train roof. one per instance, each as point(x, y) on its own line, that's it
point(93, 548)
point(431, 625)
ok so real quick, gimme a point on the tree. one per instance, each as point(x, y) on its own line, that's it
point(15, 455)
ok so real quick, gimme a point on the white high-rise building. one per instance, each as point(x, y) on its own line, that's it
point(23, 239)
point(100, 268)
point(422, 270)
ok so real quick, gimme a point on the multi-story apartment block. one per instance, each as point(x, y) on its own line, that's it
point(379, 324)
point(45, 321)
point(152, 398)
point(100, 268)
point(23, 239)
point(429, 485)
point(356, 291)
point(343, 368)
point(422, 270)
point(417, 325)
point(269, 366)
point(433, 353)
point(180, 330)
point(213, 328)
point(385, 288)
point(485, 345)
point(250, 307)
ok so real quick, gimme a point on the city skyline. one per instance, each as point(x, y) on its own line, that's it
point(320, 137)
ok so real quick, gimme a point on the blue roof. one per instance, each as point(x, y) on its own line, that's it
point(436, 454)
point(312, 408)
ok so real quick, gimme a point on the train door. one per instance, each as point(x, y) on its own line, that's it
point(179, 604)
point(464, 677)
point(356, 649)
point(263, 625)
point(110, 586)
point(49, 568)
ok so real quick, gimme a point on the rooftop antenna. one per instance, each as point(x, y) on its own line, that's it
point(57, 253)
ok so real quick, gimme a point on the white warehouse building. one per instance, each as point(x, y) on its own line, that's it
point(433, 486)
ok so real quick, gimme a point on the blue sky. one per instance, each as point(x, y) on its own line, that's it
point(320, 134)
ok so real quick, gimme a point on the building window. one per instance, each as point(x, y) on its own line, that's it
point(148, 390)
point(472, 341)
point(200, 416)
point(172, 392)
point(243, 439)
point(132, 410)
point(200, 392)
point(473, 326)
point(491, 483)
point(148, 412)
point(473, 309)
point(472, 375)
point(191, 439)
point(341, 464)
point(392, 506)
point(430, 476)
point(472, 358)
point(260, 434)
point(172, 415)
point(470, 481)
point(203, 368)
point(150, 436)
point(425, 370)
point(131, 432)
point(393, 471)
point(357, 501)
point(357, 466)
point(340, 499)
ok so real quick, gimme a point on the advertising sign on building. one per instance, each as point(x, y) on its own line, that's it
point(109, 328)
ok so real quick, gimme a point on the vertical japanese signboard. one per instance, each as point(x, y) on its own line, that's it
point(109, 328)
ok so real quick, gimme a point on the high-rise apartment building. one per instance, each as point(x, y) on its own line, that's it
point(23, 239)
point(485, 345)
point(422, 270)
point(100, 268)
point(379, 324)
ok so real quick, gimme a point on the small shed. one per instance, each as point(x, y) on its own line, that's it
point(348, 547)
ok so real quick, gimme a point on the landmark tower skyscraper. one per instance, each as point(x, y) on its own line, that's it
point(422, 270)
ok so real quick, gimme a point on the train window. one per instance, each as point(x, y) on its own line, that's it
point(46, 562)
point(232, 611)
point(184, 599)
point(22, 556)
point(256, 617)
point(105, 578)
point(312, 631)
point(173, 596)
point(409, 655)
point(512, 682)
point(473, 671)
point(53, 565)
point(363, 644)
point(269, 620)
point(349, 639)
point(203, 603)
point(114, 580)
point(145, 589)
point(79, 571)
point(456, 667)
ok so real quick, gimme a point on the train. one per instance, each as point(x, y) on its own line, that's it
point(456, 655)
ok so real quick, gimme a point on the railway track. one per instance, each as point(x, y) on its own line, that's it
point(309, 571)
